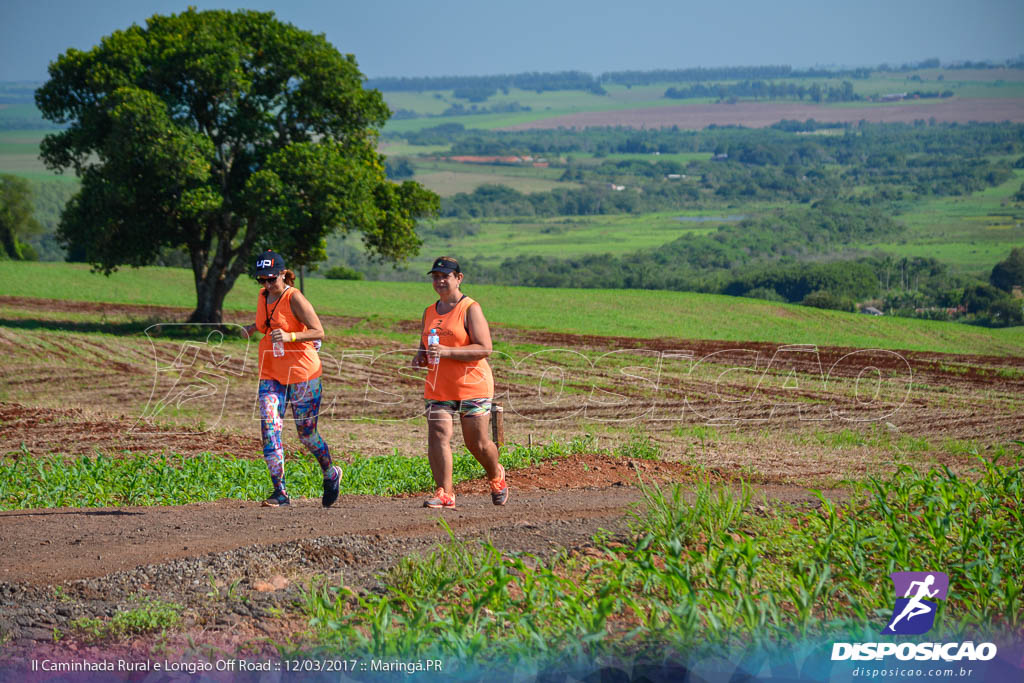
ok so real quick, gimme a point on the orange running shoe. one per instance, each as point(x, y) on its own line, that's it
point(499, 489)
point(440, 500)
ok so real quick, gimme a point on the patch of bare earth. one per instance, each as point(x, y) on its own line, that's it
point(762, 114)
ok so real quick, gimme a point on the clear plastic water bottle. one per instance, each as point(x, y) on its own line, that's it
point(278, 349)
point(432, 339)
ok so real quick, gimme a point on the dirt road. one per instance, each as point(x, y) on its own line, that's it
point(554, 503)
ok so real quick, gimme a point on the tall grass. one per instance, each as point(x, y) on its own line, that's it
point(704, 573)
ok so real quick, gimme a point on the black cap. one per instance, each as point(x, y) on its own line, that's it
point(269, 263)
point(445, 264)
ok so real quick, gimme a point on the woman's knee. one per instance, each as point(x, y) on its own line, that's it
point(480, 446)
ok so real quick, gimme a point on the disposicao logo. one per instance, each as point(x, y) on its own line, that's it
point(913, 614)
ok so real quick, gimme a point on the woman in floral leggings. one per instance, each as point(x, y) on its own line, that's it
point(289, 373)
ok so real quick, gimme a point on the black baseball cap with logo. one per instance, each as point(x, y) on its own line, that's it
point(269, 263)
point(445, 264)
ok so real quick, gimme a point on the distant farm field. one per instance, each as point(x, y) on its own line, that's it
point(611, 313)
point(448, 178)
point(971, 233)
point(567, 236)
point(762, 114)
point(577, 108)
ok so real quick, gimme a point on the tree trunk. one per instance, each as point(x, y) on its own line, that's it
point(209, 302)
point(213, 282)
point(215, 278)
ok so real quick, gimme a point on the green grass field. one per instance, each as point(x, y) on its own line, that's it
point(629, 313)
point(560, 237)
point(971, 233)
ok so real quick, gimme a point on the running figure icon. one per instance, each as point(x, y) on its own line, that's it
point(914, 612)
point(915, 607)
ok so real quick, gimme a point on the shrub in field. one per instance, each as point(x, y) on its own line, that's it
point(823, 299)
point(343, 273)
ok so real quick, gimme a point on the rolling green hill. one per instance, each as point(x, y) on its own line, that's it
point(630, 313)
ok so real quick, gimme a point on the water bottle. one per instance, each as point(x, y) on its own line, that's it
point(278, 349)
point(432, 339)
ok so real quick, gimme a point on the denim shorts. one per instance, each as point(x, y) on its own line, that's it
point(470, 407)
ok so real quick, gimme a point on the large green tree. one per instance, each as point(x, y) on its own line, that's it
point(16, 219)
point(225, 133)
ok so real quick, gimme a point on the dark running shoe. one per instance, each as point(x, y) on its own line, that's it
point(499, 489)
point(332, 483)
point(277, 499)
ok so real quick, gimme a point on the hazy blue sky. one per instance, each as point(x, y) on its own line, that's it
point(468, 37)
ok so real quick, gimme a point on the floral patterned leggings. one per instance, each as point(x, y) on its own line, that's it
point(304, 398)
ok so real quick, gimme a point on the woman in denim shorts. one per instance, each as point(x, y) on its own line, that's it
point(459, 382)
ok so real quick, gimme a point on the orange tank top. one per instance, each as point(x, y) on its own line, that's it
point(451, 379)
point(300, 361)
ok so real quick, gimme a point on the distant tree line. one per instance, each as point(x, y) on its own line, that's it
point(488, 201)
point(934, 63)
point(767, 90)
point(25, 117)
